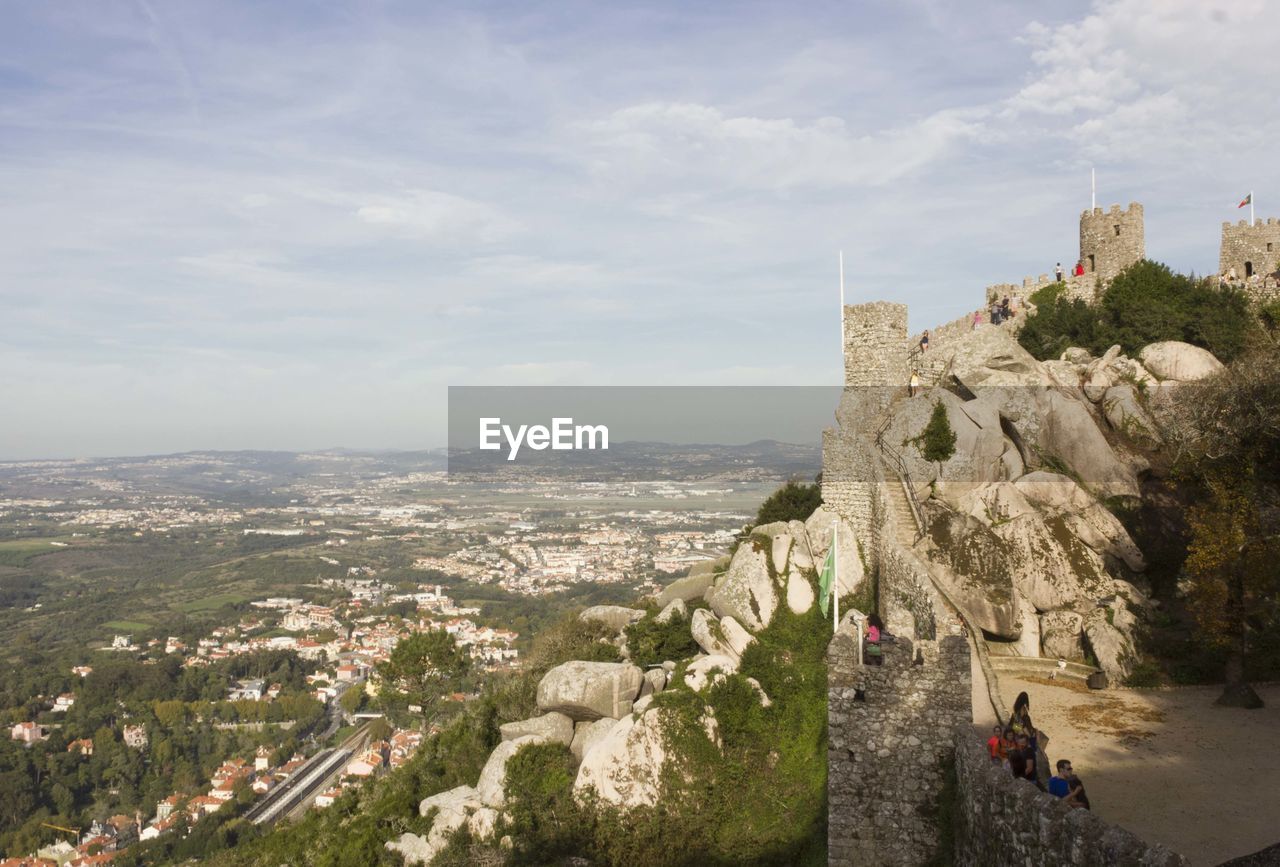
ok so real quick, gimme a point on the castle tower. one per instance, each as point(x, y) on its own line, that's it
point(1250, 250)
point(875, 345)
point(1111, 241)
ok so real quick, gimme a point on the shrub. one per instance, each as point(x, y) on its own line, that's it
point(794, 501)
point(650, 642)
point(544, 821)
point(937, 442)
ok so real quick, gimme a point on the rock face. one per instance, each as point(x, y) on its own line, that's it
point(1179, 361)
point(615, 616)
point(674, 608)
point(587, 734)
point(590, 690)
point(746, 592)
point(850, 572)
point(1108, 632)
point(550, 726)
point(706, 670)
point(724, 637)
point(1125, 414)
point(625, 767)
point(491, 788)
point(454, 808)
point(1060, 635)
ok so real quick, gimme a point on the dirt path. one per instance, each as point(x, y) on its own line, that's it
point(1169, 765)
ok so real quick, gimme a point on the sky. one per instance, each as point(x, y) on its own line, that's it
point(292, 225)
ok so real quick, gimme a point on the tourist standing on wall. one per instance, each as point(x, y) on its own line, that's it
point(913, 385)
point(1057, 271)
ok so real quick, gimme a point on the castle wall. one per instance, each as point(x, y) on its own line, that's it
point(875, 337)
point(890, 744)
point(1258, 245)
point(851, 478)
point(1111, 241)
point(999, 820)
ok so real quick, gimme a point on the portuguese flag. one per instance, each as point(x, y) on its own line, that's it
point(1247, 200)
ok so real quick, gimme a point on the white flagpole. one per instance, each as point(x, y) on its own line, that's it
point(1093, 187)
point(835, 577)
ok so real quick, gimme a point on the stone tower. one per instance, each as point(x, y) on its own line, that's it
point(1250, 249)
point(875, 345)
point(1111, 241)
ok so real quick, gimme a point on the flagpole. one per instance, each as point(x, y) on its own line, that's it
point(835, 576)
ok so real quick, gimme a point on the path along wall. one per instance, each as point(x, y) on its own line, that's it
point(1000, 820)
point(889, 746)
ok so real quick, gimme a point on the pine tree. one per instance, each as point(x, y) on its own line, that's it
point(937, 442)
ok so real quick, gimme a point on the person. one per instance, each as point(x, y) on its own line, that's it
point(1057, 271)
point(1004, 308)
point(924, 341)
point(874, 627)
point(1064, 785)
point(1020, 719)
point(1028, 753)
point(1079, 272)
point(872, 650)
point(995, 746)
point(913, 385)
point(977, 319)
point(1017, 764)
point(1008, 744)
point(995, 313)
point(1231, 275)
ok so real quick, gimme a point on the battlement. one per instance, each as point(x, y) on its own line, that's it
point(1134, 209)
point(1250, 251)
point(1112, 240)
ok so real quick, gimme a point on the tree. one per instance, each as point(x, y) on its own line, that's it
point(793, 501)
point(937, 442)
point(1234, 583)
point(423, 668)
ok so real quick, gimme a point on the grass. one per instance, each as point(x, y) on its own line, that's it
point(128, 625)
point(19, 552)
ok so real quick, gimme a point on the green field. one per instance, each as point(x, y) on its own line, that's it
point(18, 552)
point(128, 625)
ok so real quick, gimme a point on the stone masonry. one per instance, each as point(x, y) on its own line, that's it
point(890, 743)
point(1250, 250)
point(999, 820)
point(1111, 241)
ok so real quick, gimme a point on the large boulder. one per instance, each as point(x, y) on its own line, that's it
point(453, 809)
point(688, 589)
point(675, 608)
point(1126, 414)
point(978, 451)
point(1173, 359)
point(452, 800)
point(1060, 635)
point(590, 690)
point(1049, 565)
point(971, 562)
point(850, 573)
point(491, 790)
point(1092, 523)
point(706, 671)
point(746, 592)
point(800, 593)
point(552, 726)
point(625, 767)
point(992, 357)
point(723, 637)
point(1109, 632)
point(587, 734)
point(616, 617)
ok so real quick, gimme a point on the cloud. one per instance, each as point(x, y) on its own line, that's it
point(691, 142)
point(431, 215)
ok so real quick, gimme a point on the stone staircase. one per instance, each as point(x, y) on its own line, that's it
point(906, 530)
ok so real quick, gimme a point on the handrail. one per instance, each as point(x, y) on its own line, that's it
point(904, 477)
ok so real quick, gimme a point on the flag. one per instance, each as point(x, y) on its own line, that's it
point(1247, 200)
point(827, 580)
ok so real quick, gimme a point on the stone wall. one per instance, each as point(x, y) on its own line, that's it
point(850, 480)
point(1251, 250)
point(875, 339)
point(909, 605)
point(889, 746)
point(1111, 241)
point(999, 820)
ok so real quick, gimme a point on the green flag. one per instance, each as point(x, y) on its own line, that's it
point(827, 580)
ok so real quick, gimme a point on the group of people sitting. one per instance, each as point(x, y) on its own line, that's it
point(1019, 748)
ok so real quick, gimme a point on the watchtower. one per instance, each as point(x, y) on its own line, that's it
point(1111, 241)
point(875, 345)
point(1250, 249)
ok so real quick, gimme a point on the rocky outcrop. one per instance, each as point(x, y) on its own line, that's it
point(552, 726)
point(625, 768)
point(590, 690)
point(452, 809)
point(491, 790)
point(675, 608)
point(723, 636)
point(1179, 361)
point(707, 670)
point(1108, 631)
point(615, 617)
point(688, 589)
point(746, 592)
point(587, 734)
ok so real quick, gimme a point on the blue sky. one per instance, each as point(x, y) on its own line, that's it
point(291, 225)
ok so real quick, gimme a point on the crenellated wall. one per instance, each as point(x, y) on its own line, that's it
point(1252, 250)
point(1111, 241)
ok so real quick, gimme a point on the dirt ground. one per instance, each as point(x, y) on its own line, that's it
point(1169, 765)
